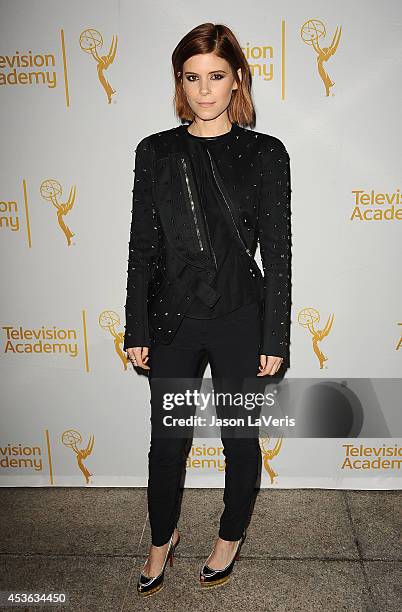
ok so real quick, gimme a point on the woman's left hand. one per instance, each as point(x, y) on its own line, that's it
point(269, 365)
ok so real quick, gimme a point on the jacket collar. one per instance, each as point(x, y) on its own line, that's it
point(224, 138)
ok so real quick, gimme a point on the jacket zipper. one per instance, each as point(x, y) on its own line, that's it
point(191, 198)
point(210, 243)
point(224, 198)
point(190, 195)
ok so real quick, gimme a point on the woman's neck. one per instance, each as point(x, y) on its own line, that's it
point(206, 131)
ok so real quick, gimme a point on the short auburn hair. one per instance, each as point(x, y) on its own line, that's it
point(218, 39)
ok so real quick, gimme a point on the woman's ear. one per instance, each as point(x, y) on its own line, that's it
point(236, 86)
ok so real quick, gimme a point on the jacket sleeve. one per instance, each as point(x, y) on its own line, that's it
point(274, 232)
point(143, 248)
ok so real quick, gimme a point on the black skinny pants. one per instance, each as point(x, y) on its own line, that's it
point(231, 345)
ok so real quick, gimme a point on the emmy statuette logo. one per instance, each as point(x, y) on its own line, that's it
point(311, 32)
point(72, 439)
point(310, 318)
point(90, 41)
point(399, 342)
point(269, 454)
point(109, 321)
point(51, 191)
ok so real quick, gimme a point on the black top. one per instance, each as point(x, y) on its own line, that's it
point(232, 272)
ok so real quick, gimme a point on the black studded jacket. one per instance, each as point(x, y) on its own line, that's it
point(171, 259)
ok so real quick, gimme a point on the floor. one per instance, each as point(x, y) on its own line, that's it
point(306, 549)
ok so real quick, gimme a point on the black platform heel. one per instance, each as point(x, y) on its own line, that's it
point(148, 585)
point(212, 577)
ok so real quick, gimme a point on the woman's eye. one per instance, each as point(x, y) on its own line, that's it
point(193, 77)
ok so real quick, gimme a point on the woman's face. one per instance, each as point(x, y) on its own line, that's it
point(208, 83)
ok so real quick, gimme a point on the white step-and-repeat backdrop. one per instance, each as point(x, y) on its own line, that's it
point(81, 84)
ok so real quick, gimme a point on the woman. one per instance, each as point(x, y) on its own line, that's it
point(204, 193)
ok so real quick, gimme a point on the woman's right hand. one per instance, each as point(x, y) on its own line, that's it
point(138, 356)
